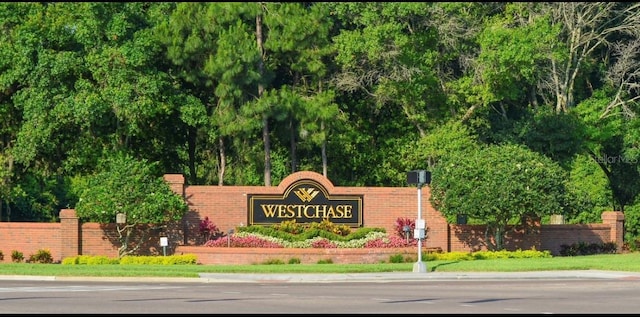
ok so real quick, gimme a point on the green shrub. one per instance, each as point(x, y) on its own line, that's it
point(325, 261)
point(486, 255)
point(294, 261)
point(412, 259)
point(159, 259)
point(162, 260)
point(101, 259)
point(284, 231)
point(584, 248)
point(89, 260)
point(154, 260)
point(41, 256)
point(396, 258)
point(17, 256)
point(452, 256)
point(72, 260)
point(180, 259)
point(273, 261)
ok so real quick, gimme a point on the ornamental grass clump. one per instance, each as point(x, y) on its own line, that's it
point(289, 226)
point(327, 225)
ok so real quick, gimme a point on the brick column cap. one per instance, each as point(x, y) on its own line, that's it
point(68, 213)
point(608, 216)
point(174, 178)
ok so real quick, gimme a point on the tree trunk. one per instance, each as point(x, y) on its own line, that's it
point(223, 161)
point(292, 143)
point(324, 152)
point(265, 117)
point(191, 148)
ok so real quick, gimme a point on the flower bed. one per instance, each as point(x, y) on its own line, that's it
point(247, 255)
point(374, 239)
point(291, 242)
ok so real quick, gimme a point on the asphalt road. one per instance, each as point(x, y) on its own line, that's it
point(553, 292)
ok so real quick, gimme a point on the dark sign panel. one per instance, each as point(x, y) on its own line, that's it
point(305, 201)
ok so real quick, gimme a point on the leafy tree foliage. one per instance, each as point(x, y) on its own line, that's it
point(605, 141)
point(450, 137)
point(591, 186)
point(559, 136)
point(632, 227)
point(498, 185)
point(132, 187)
point(229, 93)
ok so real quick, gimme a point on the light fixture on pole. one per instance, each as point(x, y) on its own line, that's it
point(419, 178)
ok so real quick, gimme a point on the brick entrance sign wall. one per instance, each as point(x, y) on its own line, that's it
point(227, 207)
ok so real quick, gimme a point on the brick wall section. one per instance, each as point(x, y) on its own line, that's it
point(610, 230)
point(96, 242)
point(557, 235)
point(470, 238)
point(29, 238)
point(95, 239)
point(227, 207)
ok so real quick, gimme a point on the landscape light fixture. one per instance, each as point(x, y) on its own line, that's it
point(229, 233)
point(121, 218)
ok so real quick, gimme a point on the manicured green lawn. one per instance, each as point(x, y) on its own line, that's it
point(614, 262)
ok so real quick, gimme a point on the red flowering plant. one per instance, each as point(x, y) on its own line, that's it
point(404, 227)
point(323, 244)
point(208, 230)
point(235, 241)
point(390, 242)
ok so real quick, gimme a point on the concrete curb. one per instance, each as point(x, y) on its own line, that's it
point(343, 277)
point(410, 276)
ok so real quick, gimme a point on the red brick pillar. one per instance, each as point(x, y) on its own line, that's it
point(615, 220)
point(69, 234)
point(176, 182)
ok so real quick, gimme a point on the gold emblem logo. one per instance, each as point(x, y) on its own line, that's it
point(306, 194)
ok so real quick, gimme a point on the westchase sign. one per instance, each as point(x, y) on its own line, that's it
point(305, 201)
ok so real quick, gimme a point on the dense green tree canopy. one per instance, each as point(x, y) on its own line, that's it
point(245, 93)
point(499, 185)
point(124, 185)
